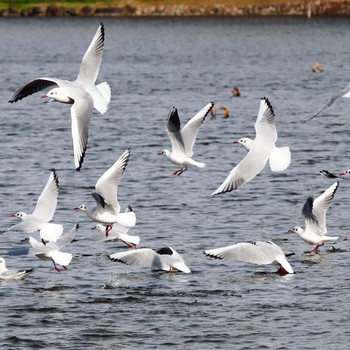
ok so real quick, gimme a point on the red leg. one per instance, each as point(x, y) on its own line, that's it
point(65, 267)
point(108, 228)
point(43, 241)
point(56, 268)
point(315, 249)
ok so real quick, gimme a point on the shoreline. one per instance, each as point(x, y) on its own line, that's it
point(305, 8)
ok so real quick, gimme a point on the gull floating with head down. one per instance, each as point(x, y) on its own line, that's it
point(81, 93)
point(7, 275)
point(164, 259)
point(182, 141)
point(107, 210)
point(43, 213)
point(314, 211)
point(259, 253)
point(260, 150)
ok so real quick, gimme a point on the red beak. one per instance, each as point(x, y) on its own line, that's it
point(291, 230)
point(13, 215)
point(235, 142)
point(44, 96)
point(341, 174)
point(77, 208)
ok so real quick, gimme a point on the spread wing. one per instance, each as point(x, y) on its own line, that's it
point(190, 130)
point(174, 132)
point(92, 59)
point(47, 201)
point(35, 86)
point(250, 166)
point(265, 124)
point(107, 184)
point(81, 113)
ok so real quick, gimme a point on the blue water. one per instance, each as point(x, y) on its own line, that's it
point(153, 65)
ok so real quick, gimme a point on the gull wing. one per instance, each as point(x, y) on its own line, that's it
point(321, 205)
point(174, 132)
point(265, 124)
point(142, 257)
point(92, 59)
point(67, 237)
point(247, 252)
point(81, 113)
point(190, 130)
point(250, 166)
point(35, 86)
point(107, 184)
point(47, 201)
point(342, 93)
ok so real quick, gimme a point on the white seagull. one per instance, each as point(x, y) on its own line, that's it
point(43, 213)
point(342, 93)
point(51, 250)
point(165, 259)
point(6, 274)
point(182, 141)
point(107, 210)
point(314, 211)
point(259, 253)
point(81, 93)
point(118, 233)
point(260, 150)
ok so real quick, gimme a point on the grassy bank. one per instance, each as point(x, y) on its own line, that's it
point(20, 4)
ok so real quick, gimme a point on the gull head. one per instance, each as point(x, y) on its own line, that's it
point(57, 94)
point(345, 173)
point(19, 215)
point(296, 229)
point(165, 153)
point(246, 142)
point(81, 208)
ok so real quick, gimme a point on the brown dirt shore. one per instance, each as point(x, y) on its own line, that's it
point(188, 8)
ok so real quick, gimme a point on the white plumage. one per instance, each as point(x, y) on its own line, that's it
point(43, 213)
point(182, 141)
point(81, 93)
point(165, 259)
point(259, 253)
point(314, 211)
point(260, 150)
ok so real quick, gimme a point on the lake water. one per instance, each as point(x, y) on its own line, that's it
point(153, 65)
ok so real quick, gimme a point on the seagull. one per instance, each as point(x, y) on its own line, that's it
point(43, 212)
point(260, 150)
point(182, 141)
point(259, 253)
point(6, 274)
point(51, 250)
point(342, 93)
point(82, 94)
point(107, 210)
point(329, 175)
point(314, 211)
point(118, 233)
point(165, 259)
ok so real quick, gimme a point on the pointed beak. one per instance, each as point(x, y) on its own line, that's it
point(93, 228)
point(13, 215)
point(235, 142)
point(44, 96)
point(291, 230)
point(77, 208)
point(341, 174)
point(159, 153)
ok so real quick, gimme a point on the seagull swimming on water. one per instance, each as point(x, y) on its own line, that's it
point(7, 275)
point(182, 141)
point(165, 259)
point(260, 150)
point(259, 253)
point(82, 94)
point(314, 211)
point(43, 213)
point(342, 93)
point(107, 210)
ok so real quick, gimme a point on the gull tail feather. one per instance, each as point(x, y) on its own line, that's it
point(101, 95)
point(280, 159)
